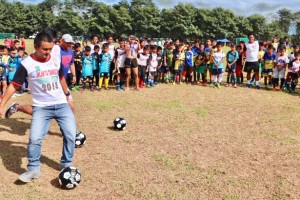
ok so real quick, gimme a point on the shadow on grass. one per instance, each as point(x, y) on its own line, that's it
point(55, 183)
point(19, 126)
point(12, 153)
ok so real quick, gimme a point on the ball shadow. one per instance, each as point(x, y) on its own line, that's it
point(55, 183)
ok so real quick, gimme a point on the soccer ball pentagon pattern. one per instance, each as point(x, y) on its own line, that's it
point(80, 139)
point(69, 177)
point(120, 124)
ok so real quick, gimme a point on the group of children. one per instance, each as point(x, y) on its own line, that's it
point(10, 60)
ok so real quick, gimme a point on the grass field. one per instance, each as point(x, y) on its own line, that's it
point(181, 142)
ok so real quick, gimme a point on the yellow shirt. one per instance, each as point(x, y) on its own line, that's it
point(5, 59)
point(261, 54)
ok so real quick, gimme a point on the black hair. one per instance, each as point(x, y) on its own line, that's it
point(11, 49)
point(159, 48)
point(250, 34)
point(121, 40)
point(94, 36)
point(42, 37)
point(270, 46)
point(87, 48)
point(96, 47)
point(107, 37)
point(25, 53)
point(77, 45)
point(153, 47)
point(51, 32)
point(219, 43)
point(21, 49)
point(16, 41)
point(105, 45)
point(197, 41)
point(146, 47)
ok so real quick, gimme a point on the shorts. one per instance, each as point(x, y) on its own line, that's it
point(292, 76)
point(232, 69)
point(217, 71)
point(131, 63)
point(278, 74)
point(104, 74)
point(121, 70)
point(85, 78)
point(249, 66)
point(201, 69)
point(152, 74)
point(267, 72)
point(209, 66)
point(3, 78)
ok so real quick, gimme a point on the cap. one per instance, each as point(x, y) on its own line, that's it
point(68, 38)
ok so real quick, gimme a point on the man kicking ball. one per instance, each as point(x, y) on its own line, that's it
point(50, 101)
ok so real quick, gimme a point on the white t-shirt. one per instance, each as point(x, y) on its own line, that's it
point(252, 52)
point(121, 56)
point(55, 53)
point(295, 67)
point(142, 59)
point(153, 62)
point(43, 79)
point(218, 57)
point(111, 50)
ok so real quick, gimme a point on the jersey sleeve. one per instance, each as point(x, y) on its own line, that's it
point(61, 72)
point(20, 76)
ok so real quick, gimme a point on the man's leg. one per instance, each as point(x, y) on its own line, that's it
point(39, 127)
point(66, 121)
point(136, 78)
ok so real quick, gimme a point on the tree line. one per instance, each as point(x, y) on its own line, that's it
point(143, 18)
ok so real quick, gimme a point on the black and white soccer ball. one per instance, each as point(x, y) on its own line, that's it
point(120, 124)
point(69, 177)
point(80, 139)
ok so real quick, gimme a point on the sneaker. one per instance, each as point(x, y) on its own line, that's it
point(235, 86)
point(248, 85)
point(218, 85)
point(119, 89)
point(97, 88)
point(180, 83)
point(227, 85)
point(212, 85)
point(258, 87)
point(173, 83)
point(11, 110)
point(26, 177)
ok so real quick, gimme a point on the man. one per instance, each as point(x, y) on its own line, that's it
point(94, 41)
point(131, 64)
point(252, 49)
point(23, 43)
point(49, 95)
point(56, 54)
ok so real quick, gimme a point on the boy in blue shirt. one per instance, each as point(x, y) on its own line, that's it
point(218, 58)
point(105, 60)
point(232, 56)
point(87, 61)
point(189, 64)
point(95, 55)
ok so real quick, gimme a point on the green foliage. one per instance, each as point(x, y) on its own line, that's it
point(141, 17)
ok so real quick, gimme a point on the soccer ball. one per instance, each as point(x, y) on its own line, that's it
point(69, 177)
point(80, 139)
point(120, 124)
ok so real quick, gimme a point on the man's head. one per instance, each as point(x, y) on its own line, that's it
point(122, 43)
point(43, 44)
point(77, 46)
point(51, 32)
point(281, 51)
point(251, 38)
point(202, 47)
point(94, 39)
point(109, 39)
point(67, 41)
point(132, 39)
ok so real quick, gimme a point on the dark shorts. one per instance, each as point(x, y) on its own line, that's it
point(104, 74)
point(121, 70)
point(249, 66)
point(217, 71)
point(267, 72)
point(232, 69)
point(3, 78)
point(86, 78)
point(131, 63)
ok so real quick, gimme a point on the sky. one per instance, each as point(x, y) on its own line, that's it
point(240, 7)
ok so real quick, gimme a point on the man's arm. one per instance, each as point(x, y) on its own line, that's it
point(11, 89)
point(73, 71)
point(64, 86)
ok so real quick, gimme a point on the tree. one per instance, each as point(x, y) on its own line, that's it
point(285, 19)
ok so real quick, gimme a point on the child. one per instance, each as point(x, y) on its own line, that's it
point(162, 70)
point(111, 51)
point(142, 65)
point(208, 49)
point(218, 58)
point(279, 70)
point(232, 56)
point(87, 63)
point(152, 65)
point(239, 64)
point(160, 62)
point(105, 60)
point(168, 57)
point(189, 64)
point(78, 64)
point(3, 70)
point(178, 60)
point(200, 66)
point(120, 56)
point(269, 63)
point(292, 76)
point(12, 64)
point(96, 61)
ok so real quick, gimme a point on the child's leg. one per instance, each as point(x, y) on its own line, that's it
point(282, 81)
point(220, 76)
point(228, 77)
point(106, 80)
point(100, 82)
point(90, 83)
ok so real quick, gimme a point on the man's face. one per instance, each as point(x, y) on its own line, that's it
point(251, 38)
point(208, 43)
point(159, 52)
point(66, 45)
point(42, 52)
point(87, 53)
point(110, 40)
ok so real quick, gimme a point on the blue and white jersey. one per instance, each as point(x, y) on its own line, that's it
point(218, 57)
point(105, 61)
point(189, 58)
point(87, 66)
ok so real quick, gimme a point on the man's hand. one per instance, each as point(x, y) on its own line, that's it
point(74, 80)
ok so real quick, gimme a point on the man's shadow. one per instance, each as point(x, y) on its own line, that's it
point(19, 126)
point(12, 153)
